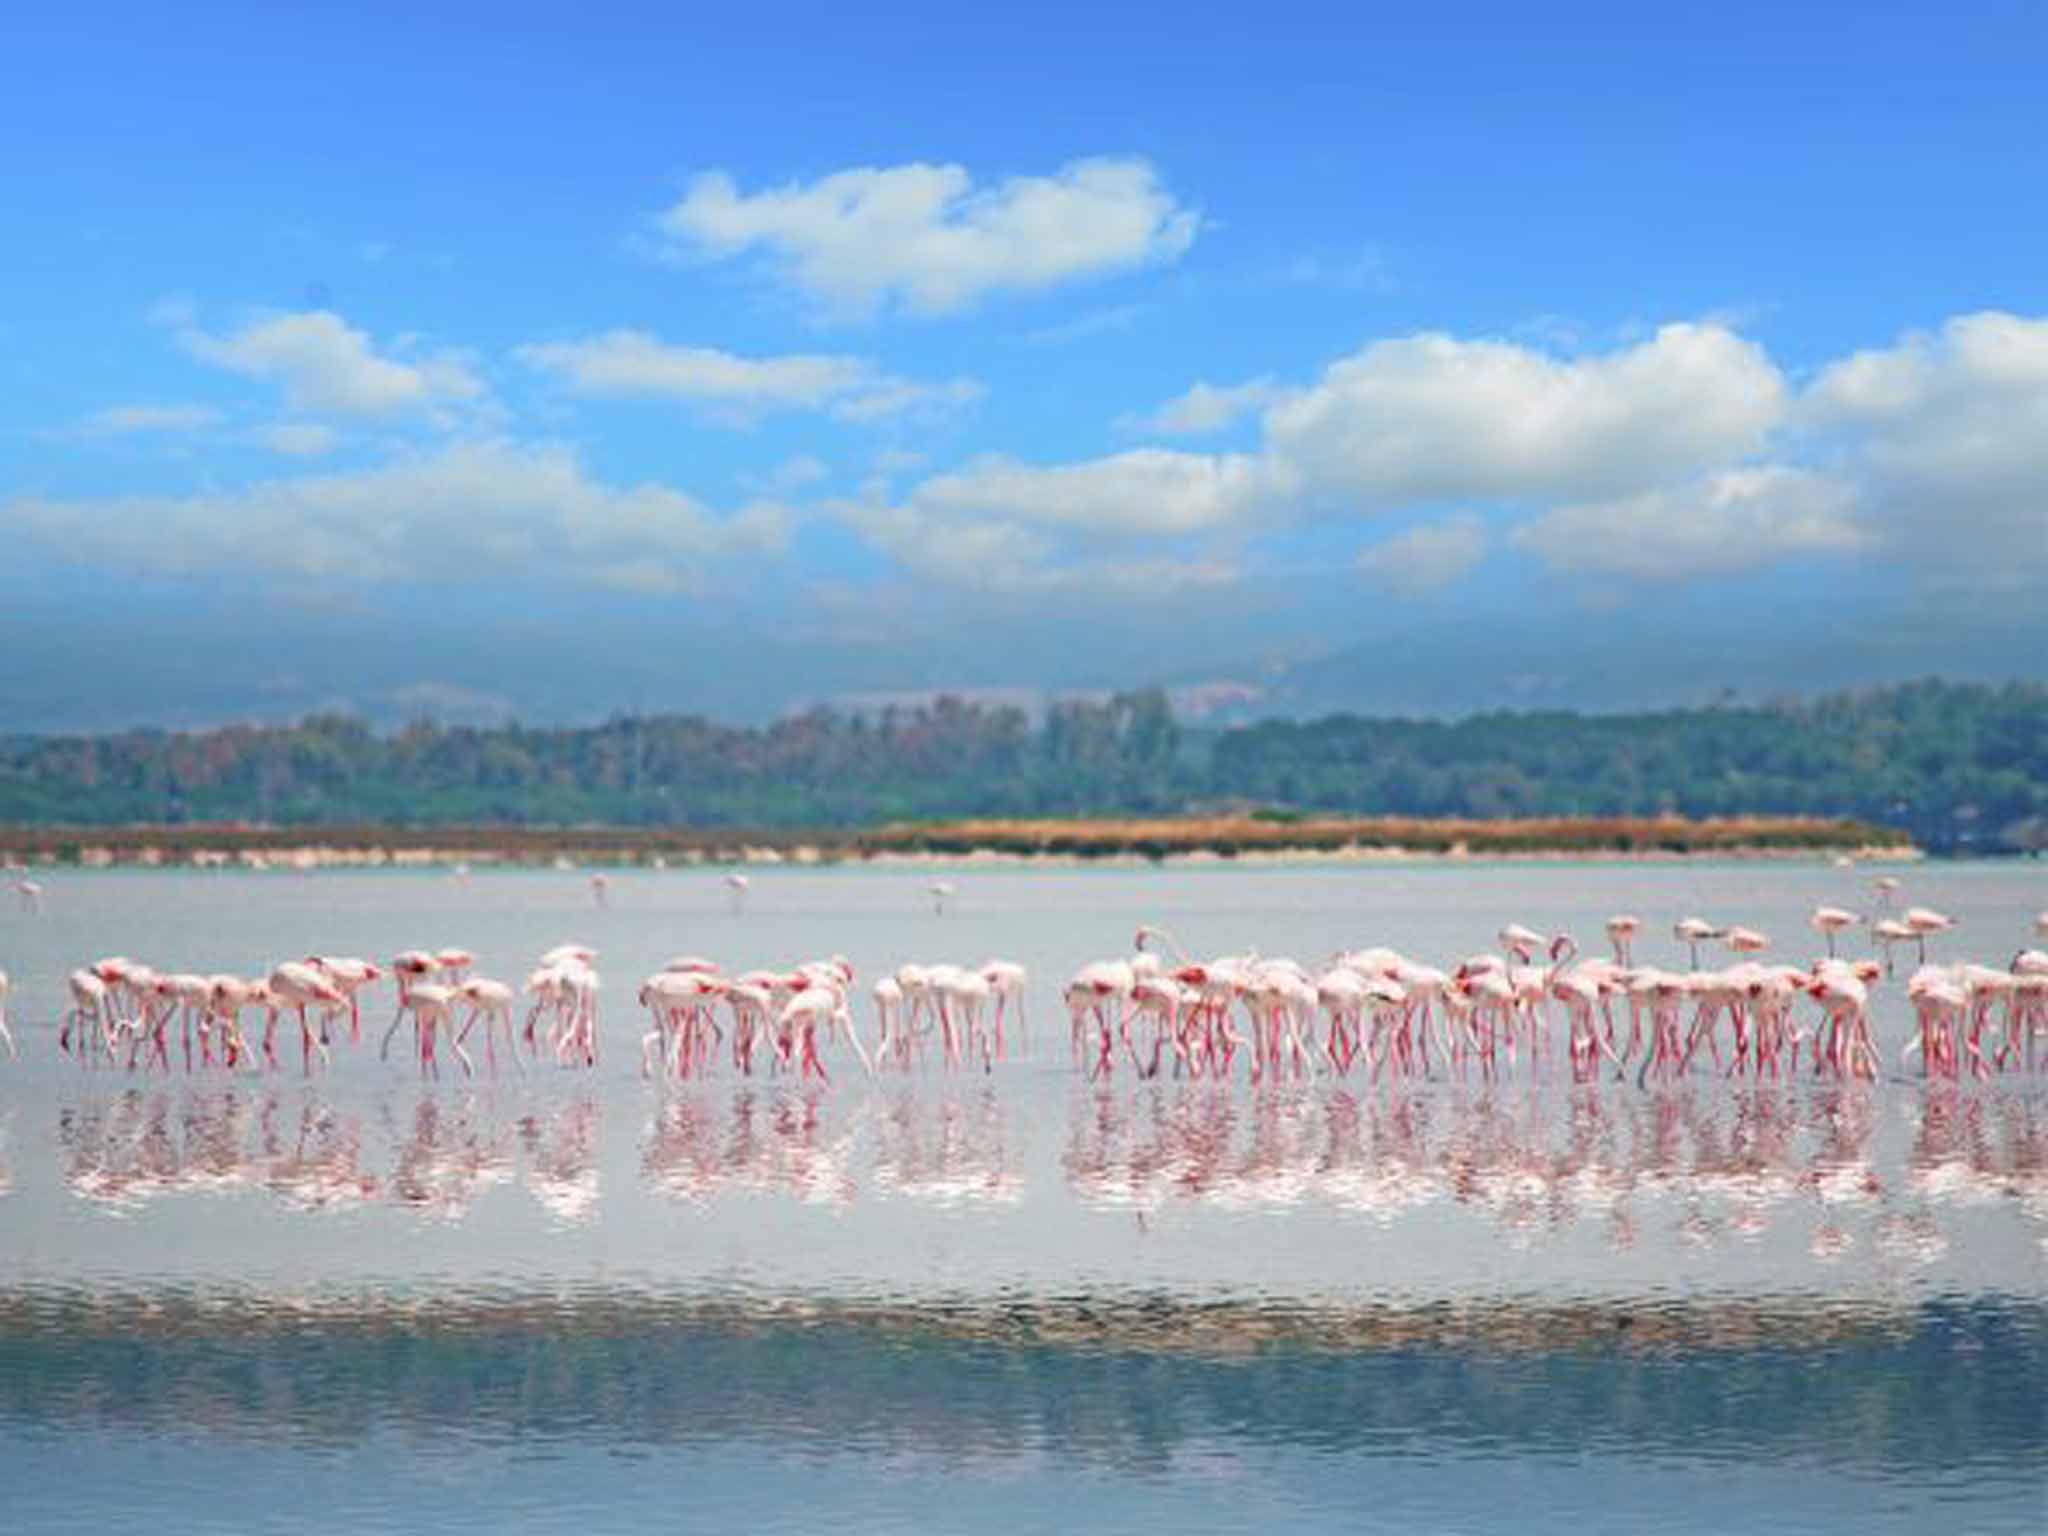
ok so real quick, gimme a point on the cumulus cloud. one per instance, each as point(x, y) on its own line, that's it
point(1430, 418)
point(1947, 435)
point(328, 366)
point(1208, 408)
point(472, 511)
point(634, 363)
point(926, 239)
point(1409, 423)
point(1427, 558)
point(1006, 557)
point(1145, 491)
point(152, 418)
point(1722, 523)
point(1122, 525)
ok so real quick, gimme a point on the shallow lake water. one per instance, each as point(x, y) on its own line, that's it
point(1012, 1301)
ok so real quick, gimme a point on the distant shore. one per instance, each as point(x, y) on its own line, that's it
point(1181, 840)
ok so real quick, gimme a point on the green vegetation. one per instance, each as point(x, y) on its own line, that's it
point(1955, 768)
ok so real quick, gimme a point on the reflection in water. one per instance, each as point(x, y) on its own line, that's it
point(561, 1160)
point(1536, 1161)
point(313, 1160)
point(702, 1143)
point(144, 1145)
point(1726, 1164)
point(447, 1155)
point(946, 1150)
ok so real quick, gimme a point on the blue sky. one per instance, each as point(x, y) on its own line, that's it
point(489, 362)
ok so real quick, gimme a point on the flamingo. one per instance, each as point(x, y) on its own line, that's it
point(941, 892)
point(1621, 932)
point(888, 996)
point(579, 987)
point(454, 964)
point(676, 1001)
point(1939, 1004)
point(297, 986)
point(1829, 921)
point(492, 1002)
point(6, 1034)
point(432, 1005)
point(798, 1024)
point(1693, 932)
point(1103, 983)
point(227, 998)
point(350, 975)
point(736, 892)
point(30, 895)
point(1922, 921)
point(1006, 980)
point(91, 1008)
point(967, 993)
point(1148, 934)
point(1887, 931)
point(1163, 1001)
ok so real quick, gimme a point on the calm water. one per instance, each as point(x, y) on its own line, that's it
point(1015, 1302)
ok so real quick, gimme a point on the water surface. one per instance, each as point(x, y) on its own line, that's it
point(1019, 1301)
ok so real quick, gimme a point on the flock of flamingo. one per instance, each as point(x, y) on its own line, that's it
point(1378, 1007)
point(1372, 1008)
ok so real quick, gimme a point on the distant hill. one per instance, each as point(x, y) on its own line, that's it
point(1956, 767)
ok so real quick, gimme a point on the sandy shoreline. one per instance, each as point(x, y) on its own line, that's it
point(1038, 844)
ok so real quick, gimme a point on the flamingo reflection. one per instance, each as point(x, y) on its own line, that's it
point(776, 1143)
point(947, 1151)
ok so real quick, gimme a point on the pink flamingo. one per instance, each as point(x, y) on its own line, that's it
point(91, 1010)
point(432, 1005)
point(492, 1002)
point(349, 976)
point(1007, 982)
point(1830, 921)
point(298, 986)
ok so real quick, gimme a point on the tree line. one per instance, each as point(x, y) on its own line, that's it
point(1956, 767)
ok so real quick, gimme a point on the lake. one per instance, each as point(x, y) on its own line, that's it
point(1018, 1301)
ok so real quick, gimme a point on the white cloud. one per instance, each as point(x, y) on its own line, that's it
point(300, 439)
point(1208, 408)
point(1118, 526)
point(634, 363)
point(1145, 491)
point(1947, 435)
point(471, 511)
point(327, 366)
point(1428, 558)
point(925, 238)
point(1006, 557)
point(1403, 424)
point(1430, 418)
point(1729, 521)
point(152, 418)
